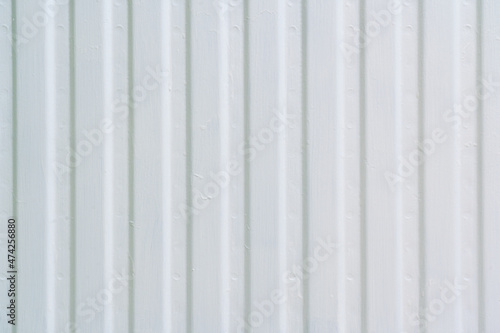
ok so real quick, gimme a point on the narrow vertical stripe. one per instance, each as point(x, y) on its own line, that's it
point(72, 144)
point(189, 174)
point(362, 172)
point(225, 143)
point(421, 169)
point(247, 190)
point(167, 161)
point(108, 174)
point(480, 180)
point(457, 156)
point(340, 173)
point(131, 161)
point(282, 156)
point(51, 190)
point(305, 165)
point(398, 126)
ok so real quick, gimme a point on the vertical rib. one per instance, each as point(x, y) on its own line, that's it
point(457, 155)
point(167, 160)
point(362, 171)
point(480, 202)
point(340, 176)
point(131, 213)
point(305, 165)
point(398, 125)
point(189, 172)
point(225, 142)
point(282, 155)
point(246, 107)
point(51, 194)
point(72, 143)
point(421, 168)
point(108, 216)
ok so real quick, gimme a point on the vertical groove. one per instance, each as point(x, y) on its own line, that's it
point(480, 216)
point(305, 166)
point(362, 172)
point(189, 172)
point(131, 213)
point(246, 119)
point(72, 175)
point(14, 128)
point(421, 169)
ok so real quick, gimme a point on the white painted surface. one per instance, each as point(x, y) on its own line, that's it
point(251, 184)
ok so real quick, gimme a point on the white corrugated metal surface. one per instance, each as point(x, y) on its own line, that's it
point(250, 166)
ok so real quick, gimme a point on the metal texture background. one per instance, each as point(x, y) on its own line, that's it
point(251, 165)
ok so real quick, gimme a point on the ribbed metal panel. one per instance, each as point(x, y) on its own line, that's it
point(251, 165)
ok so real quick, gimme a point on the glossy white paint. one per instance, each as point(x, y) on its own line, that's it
point(251, 165)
